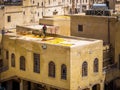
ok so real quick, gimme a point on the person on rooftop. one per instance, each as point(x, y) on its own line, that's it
point(44, 30)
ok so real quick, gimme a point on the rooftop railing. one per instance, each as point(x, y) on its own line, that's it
point(110, 67)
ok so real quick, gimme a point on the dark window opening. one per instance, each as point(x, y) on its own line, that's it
point(13, 60)
point(38, 4)
point(80, 27)
point(63, 72)
point(0, 51)
point(119, 61)
point(36, 62)
point(51, 69)
point(22, 63)
point(9, 18)
point(42, 13)
point(49, 1)
point(84, 69)
point(42, 4)
point(96, 65)
point(7, 55)
point(33, 2)
point(1, 62)
point(38, 14)
point(24, 12)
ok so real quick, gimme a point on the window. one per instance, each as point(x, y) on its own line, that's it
point(49, 1)
point(1, 63)
point(13, 60)
point(51, 69)
point(9, 18)
point(42, 4)
point(80, 27)
point(24, 12)
point(63, 71)
point(38, 14)
point(96, 65)
point(7, 55)
point(36, 62)
point(119, 61)
point(22, 63)
point(0, 51)
point(84, 68)
point(42, 13)
point(33, 2)
point(38, 3)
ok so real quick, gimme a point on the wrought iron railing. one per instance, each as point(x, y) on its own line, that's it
point(110, 67)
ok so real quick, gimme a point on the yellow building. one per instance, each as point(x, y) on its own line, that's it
point(106, 29)
point(31, 62)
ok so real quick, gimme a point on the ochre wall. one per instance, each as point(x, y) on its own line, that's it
point(62, 21)
point(86, 53)
point(58, 54)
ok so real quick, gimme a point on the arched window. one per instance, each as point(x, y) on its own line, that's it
point(96, 65)
point(63, 71)
point(51, 69)
point(13, 60)
point(84, 68)
point(22, 63)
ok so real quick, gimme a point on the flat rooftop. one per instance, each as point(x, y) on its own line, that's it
point(57, 40)
point(37, 29)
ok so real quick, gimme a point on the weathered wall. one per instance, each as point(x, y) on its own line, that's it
point(15, 12)
point(1, 19)
point(58, 54)
point(117, 43)
point(93, 27)
point(86, 53)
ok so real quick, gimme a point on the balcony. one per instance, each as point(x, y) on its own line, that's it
point(110, 68)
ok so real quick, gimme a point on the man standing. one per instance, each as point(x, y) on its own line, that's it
point(44, 31)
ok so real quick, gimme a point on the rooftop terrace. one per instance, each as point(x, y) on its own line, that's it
point(54, 40)
point(34, 33)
